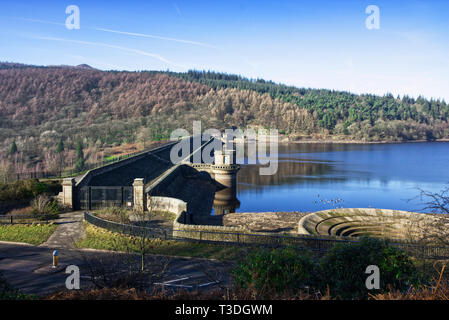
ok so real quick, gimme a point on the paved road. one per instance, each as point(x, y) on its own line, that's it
point(28, 268)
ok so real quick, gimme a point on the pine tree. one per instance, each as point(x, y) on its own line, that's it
point(13, 148)
point(60, 147)
point(59, 152)
point(79, 157)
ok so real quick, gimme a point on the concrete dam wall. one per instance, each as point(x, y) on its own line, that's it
point(152, 173)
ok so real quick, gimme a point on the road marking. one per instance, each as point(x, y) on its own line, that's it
point(172, 284)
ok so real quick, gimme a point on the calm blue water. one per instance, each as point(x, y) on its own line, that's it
point(351, 175)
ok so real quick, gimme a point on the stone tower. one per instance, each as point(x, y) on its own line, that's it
point(225, 169)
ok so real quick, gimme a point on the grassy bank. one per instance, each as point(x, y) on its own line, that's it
point(97, 238)
point(28, 233)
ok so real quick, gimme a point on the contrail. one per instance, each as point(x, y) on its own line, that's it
point(177, 9)
point(99, 44)
point(156, 37)
point(135, 34)
point(39, 21)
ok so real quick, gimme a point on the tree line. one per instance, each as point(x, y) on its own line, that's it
point(53, 113)
point(330, 107)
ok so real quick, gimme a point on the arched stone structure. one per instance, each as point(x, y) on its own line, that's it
point(356, 222)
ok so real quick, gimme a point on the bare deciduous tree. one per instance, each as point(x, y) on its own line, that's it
point(143, 217)
point(437, 202)
point(40, 203)
point(436, 228)
point(130, 266)
point(6, 169)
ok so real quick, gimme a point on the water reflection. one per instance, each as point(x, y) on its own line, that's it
point(376, 175)
point(225, 201)
point(289, 171)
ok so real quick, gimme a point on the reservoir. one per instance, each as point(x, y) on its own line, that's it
point(312, 177)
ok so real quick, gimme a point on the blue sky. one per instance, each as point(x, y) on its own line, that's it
point(318, 44)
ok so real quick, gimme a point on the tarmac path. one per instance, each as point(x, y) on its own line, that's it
point(29, 268)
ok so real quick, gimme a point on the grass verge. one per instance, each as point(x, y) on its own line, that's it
point(28, 233)
point(97, 238)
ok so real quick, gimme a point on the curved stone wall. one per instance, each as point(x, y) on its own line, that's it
point(172, 205)
point(357, 222)
point(181, 226)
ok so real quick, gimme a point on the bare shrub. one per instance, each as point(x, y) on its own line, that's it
point(436, 230)
point(40, 203)
point(44, 207)
point(114, 213)
point(6, 170)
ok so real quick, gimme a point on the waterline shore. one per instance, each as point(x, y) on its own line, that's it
point(328, 141)
point(282, 139)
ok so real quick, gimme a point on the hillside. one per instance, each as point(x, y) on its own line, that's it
point(41, 106)
point(336, 110)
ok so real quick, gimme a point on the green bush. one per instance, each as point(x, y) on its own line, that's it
point(275, 271)
point(22, 190)
point(53, 187)
point(342, 270)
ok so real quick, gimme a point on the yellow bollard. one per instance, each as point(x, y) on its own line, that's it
point(55, 258)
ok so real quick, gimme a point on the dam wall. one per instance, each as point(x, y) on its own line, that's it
point(122, 173)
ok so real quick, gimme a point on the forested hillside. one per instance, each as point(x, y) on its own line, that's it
point(343, 112)
point(57, 116)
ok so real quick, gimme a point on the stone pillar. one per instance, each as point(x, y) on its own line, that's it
point(68, 192)
point(139, 194)
point(224, 170)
